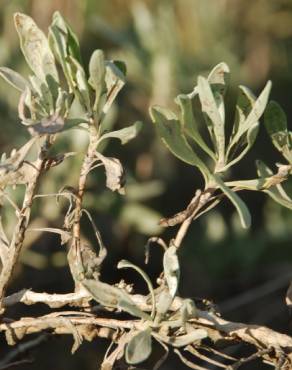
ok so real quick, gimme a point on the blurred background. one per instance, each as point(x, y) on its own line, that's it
point(165, 44)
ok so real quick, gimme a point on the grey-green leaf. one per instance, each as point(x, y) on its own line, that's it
point(14, 78)
point(127, 264)
point(97, 74)
point(190, 125)
point(125, 134)
point(171, 269)
point(210, 108)
point(169, 130)
point(139, 347)
point(255, 113)
point(240, 206)
point(35, 47)
point(276, 125)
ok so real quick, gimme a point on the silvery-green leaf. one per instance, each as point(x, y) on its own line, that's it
point(35, 47)
point(240, 206)
point(114, 173)
point(190, 338)
point(14, 78)
point(43, 92)
point(163, 302)
point(81, 84)
point(254, 115)
point(111, 296)
point(127, 264)
point(114, 80)
point(97, 75)
point(171, 269)
point(125, 134)
point(190, 125)
point(169, 129)
point(276, 125)
point(216, 125)
point(277, 193)
point(139, 347)
point(251, 136)
point(244, 104)
point(218, 80)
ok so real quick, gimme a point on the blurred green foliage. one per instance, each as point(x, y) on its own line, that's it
point(165, 45)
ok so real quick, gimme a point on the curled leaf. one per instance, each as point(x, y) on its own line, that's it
point(125, 134)
point(13, 78)
point(114, 173)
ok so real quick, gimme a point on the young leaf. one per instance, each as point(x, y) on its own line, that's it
point(171, 269)
point(254, 115)
point(210, 108)
point(276, 125)
point(35, 47)
point(139, 347)
point(190, 125)
point(170, 132)
point(240, 206)
point(114, 80)
point(125, 134)
point(97, 75)
point(14, 78)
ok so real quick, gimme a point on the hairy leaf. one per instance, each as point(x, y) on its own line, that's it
point(190, 125)
point(139, 347)
point(97, 75)
point(170, 132)
point(210, 108)
point(35, 47)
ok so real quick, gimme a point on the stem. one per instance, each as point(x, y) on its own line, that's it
point(199, 201)
point(23, 219)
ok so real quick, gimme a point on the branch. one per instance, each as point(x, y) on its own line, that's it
point(23, 219)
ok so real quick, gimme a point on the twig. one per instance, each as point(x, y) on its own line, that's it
point(23, 219)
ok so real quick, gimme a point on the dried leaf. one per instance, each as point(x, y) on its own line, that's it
point(125, 134)
point(114, 173)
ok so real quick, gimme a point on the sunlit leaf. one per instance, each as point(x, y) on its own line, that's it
point(169, 129)
point(97, 75)
point(190, 125)
point(215, 119)
point(35, 47)
point(139, 347)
